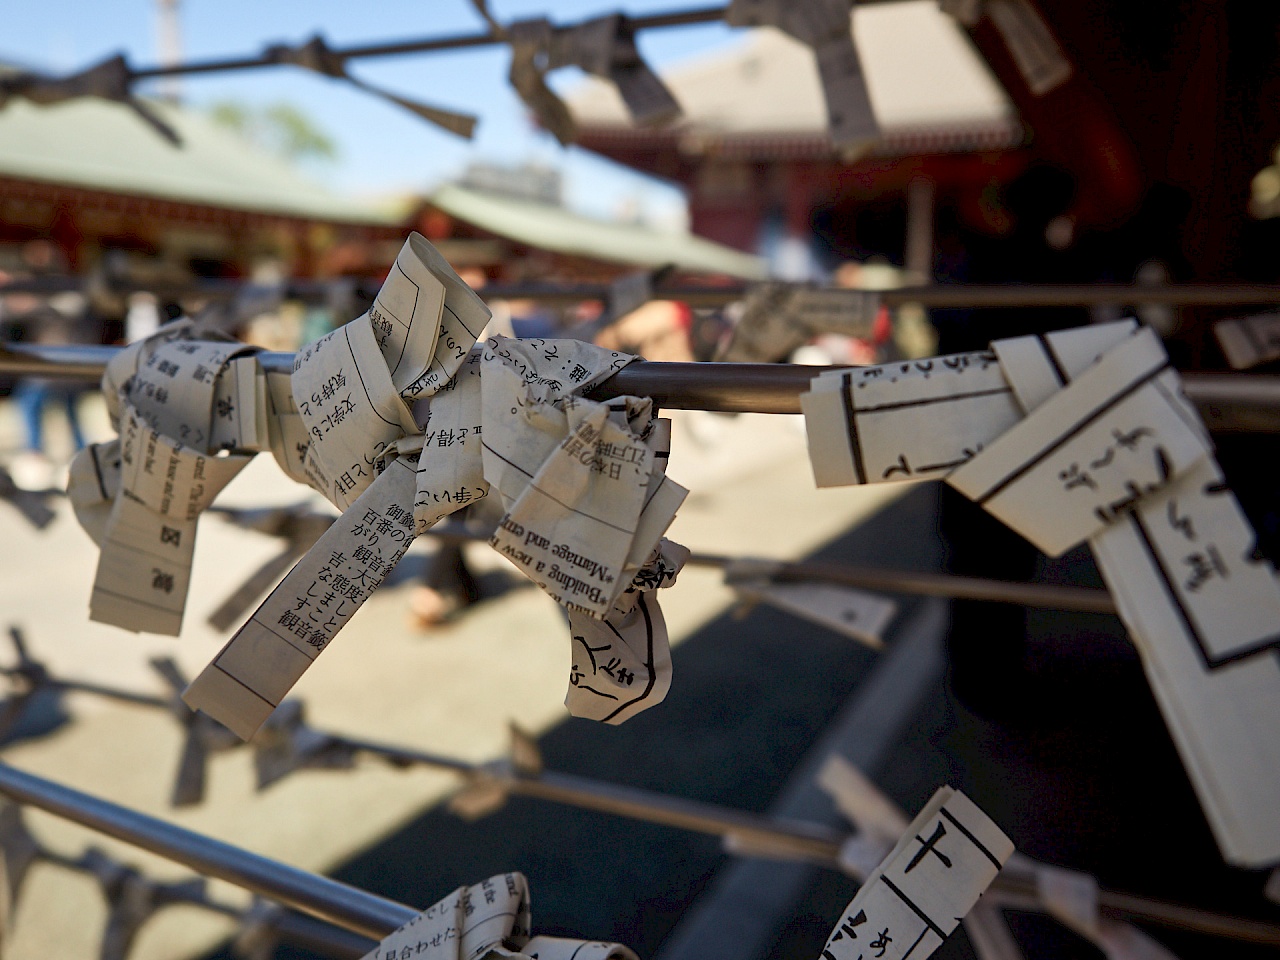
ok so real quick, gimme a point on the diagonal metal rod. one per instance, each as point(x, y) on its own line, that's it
point(1235, 402)
point(367, 913)
point(1049, 596)
point(293, 928)
point(338, 903)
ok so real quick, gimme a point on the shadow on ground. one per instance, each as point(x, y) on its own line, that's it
point(1072, 759)
point(748, 699)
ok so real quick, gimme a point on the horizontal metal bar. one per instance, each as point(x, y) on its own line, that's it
point(804, 841)
point(78, 362)
point(1018, 890)
point(1012, 295)
point(936, 295)
point(1229, 403)
point(940, 295)
point(675, 18)
point(338, 903)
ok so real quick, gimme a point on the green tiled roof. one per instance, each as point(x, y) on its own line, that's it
point(562, 231)
point(98, 145)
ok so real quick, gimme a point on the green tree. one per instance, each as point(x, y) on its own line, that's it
point(281, 128)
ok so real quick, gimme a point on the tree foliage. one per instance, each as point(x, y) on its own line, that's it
point(281, 128)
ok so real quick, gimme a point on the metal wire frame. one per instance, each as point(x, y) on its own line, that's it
point(328, 900)
point(1244, 403)
point(361, 912)
point(674, 18)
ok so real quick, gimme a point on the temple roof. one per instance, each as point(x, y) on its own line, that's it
point(554, 228)
point(931, 91)
point(97, 145)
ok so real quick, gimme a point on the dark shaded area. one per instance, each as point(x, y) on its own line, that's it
point(748, 700)
point(1071, 758)
point(1079, 770)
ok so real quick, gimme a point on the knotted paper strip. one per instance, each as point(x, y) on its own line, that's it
point(1090, 453)
point(351, 390)
point(826, 26)
point(353, 387)
point(778, 318)
point(855, 613)
point(582, 484)
point(1175, 549)
point(112, 79)
point(604, 46)
point(489, 919)
point(1069, 896)
point(1201, 609)
point(1203, 612)
point(176, 401)
point(317, 55)
point(587, 499)
point(260, 664)
point(989, 933)
point(1031, 43)
point(1249, 341)
point(915, 420)
point(145, 566)
point(935, 874)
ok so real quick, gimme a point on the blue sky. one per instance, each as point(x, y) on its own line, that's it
point(382, 148)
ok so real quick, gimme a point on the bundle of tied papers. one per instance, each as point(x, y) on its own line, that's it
point(1086, 435)
point(399, 418)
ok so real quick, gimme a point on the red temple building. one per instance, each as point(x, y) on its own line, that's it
point(752, 153)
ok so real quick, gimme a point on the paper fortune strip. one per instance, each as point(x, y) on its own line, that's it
point(777, 318)
point(915, 420)
point(488, 919)
point(399, 418)
point(1091, 452)
point(1249, 341)
point(1205, 617)
point(176, 401)
point(934, 875)
point(826, 26)
point(583, 486)
point(1110, 450)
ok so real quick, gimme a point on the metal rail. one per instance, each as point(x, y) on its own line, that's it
point(675, 18)
point(365, 913)
point(939, 295)
point(935, 296)
point(338, 903)
point(1242, 403)
point(1049, 596)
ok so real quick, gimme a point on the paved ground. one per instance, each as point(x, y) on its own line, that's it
point(452, 691)
point(1067, 751)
